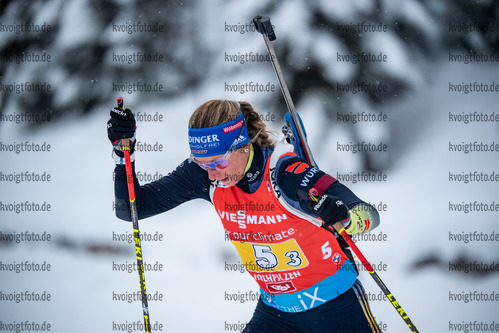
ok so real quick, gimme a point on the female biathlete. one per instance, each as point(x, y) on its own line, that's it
point(259, 189)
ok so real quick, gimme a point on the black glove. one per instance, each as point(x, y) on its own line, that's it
point(121, 125)
point(330, 209)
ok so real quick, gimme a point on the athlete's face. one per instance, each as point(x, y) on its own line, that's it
point(232, 173)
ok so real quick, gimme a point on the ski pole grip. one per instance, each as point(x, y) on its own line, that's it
point(120, 102)
point(263, 26)
point(125, 143)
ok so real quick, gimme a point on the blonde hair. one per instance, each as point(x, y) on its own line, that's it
point(216, 112)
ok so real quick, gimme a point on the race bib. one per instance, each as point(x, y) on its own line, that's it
point(273, 257)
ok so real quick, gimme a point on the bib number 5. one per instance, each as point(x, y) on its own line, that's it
point(264, 256)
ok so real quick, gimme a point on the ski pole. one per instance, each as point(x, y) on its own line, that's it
point(338, 226)
point(264, 27)
point(125, 144)
point(340, 229)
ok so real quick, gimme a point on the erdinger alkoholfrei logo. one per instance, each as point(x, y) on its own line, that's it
point(281, 287)
point(204, 142)
point(204, 139)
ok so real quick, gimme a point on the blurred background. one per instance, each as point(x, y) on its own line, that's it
point(384, 72)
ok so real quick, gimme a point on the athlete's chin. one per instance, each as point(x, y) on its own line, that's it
point(230, 178)
point(228, 183)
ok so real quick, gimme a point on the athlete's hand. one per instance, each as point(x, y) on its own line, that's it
point(364, 218)
point(330, 209)
point(121, 125)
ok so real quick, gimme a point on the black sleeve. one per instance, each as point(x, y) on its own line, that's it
point(295, 178)
point(186, 182)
